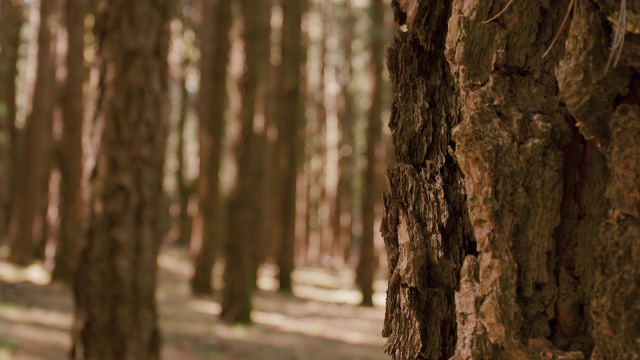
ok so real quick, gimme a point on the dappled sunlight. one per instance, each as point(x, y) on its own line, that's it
point(322, 320)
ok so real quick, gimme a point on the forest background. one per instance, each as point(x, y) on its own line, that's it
point(130, 130)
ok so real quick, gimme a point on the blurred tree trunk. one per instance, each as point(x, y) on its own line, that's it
point(289, 118)
point(261, 175)
point(71, 217)
point(186, 188)
point(367, 263)
point(38, 146)
point(215, 48)
point(512, 219)
point(245, 197)
point(343, 220)
point(11, 20)
point(116, 316)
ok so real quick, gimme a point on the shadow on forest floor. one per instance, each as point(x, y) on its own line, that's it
point(320, 322)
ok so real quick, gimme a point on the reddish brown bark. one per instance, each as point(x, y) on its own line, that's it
point(511, 222)
point(116, 316)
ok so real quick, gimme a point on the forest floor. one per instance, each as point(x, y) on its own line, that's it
point(322, 320)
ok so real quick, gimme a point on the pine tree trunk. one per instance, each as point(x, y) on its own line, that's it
point(38, 146)
point(367, 264)
point(215, 47)
point(512, 218)
point(116, 316)
point(245, 198)
point(289, 117)
point(10, 23)
point(71, 146)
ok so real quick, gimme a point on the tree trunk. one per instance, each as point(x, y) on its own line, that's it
point(10, 23)
point(186, 187)
point(71, 146)
point(289, 118)
point(215, 48)
point(511, 219)
point(38, 145)
point(367, 264)
point(245, 198)
point(116, 316)
point(344, 202)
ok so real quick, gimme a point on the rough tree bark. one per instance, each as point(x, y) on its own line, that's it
point(37, 145)
point(215, 46)
point(518, 174)
point(71, 146)
point(116, 316)
point(288, 116)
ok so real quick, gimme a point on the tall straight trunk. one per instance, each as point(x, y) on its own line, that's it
point(116, 316)
point(343, 220)
point(10, 23)
point(262, 173)
point(289, 118)
point(215, 48)
point(367, 264)
point(71, 145)
point(512, 220)
point(245, 198)
point(186, 188)
point(38, 145)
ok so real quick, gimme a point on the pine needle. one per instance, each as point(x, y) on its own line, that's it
point(618, 38)
point(562, 25)
point(498, 14)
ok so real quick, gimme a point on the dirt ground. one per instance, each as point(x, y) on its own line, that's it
point(321, 321)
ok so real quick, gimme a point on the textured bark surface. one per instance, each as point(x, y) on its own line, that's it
point(37, 145)
point(115, 286)
point(71, 146)
point(542, 154)
point(215, 47)
point(425, 226)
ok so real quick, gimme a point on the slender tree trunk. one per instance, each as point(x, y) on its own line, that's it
point(38, 145)
point(344, 219)
point(10, 23)
point(367, 264)
point(512, 220)
point(215, 48)
point(290, 120)
point(185, 188)
point(116, 316)
point(245, 198)
point(71, 218)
